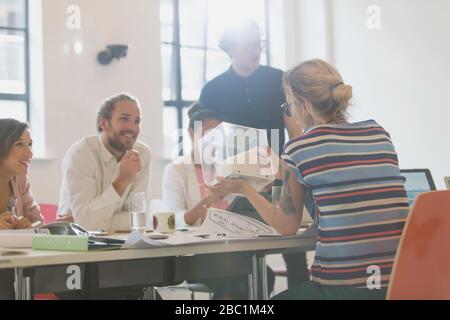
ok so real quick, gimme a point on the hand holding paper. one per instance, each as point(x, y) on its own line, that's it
point(234, 151)
point(229, 186)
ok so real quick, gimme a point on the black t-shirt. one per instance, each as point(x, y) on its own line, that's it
point(253, 101)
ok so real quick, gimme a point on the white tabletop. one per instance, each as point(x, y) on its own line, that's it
point(18, 258)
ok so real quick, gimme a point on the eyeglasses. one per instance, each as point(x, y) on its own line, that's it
point(286, 108)
point(252, 45)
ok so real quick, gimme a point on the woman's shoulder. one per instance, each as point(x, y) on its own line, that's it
point(179, 164)
point(178, 171)
point(304, 138)
point(319, 134)
point(345, 129)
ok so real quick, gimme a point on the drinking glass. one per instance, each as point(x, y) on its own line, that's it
point(276, 196)
point(138, 212)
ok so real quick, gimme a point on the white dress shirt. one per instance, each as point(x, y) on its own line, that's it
point(87, 193)
point(181, 191)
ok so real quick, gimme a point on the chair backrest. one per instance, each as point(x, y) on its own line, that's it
point(49, 212)
point(422, 264)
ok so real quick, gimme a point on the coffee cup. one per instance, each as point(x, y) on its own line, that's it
point(164, 222)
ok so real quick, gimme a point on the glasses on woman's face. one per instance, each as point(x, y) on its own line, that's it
point(286, 108)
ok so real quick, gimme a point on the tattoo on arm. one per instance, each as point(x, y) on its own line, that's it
point(287, 203)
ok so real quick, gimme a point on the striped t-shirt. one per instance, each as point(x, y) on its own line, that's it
point(351, 172)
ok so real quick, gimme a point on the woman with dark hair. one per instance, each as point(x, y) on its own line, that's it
point(185, 193)
point(183, 190)
point(18, 210)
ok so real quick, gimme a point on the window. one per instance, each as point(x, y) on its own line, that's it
point(14, 83)
point(190, 33)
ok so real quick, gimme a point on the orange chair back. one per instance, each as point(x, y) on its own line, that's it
point(422, 264)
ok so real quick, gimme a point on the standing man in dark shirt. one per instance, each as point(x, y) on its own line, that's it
point(250, 95)
point(247, 94)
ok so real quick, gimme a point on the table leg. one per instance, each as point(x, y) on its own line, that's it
point(23, 286)
point(259, 278)
point(263, 271)
point(251, 289)
point(150, 293)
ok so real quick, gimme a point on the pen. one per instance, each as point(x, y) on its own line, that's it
point(204, 236)
point(12, 208)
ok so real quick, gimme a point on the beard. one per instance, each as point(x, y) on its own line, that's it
point(115, 143)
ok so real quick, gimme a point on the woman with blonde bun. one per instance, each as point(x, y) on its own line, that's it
point(347, 175)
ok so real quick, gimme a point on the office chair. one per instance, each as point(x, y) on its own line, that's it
point(48, 211)
point(422, 264)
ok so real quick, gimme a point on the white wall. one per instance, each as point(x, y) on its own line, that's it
point(400, 73)
point(75, 85)
point(307, 29)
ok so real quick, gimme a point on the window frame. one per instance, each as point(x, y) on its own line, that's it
point(25, 97)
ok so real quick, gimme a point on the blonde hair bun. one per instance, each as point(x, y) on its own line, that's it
point(320, 83)
point(342, 95)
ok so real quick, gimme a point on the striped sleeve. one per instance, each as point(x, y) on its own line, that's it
point(286, 157)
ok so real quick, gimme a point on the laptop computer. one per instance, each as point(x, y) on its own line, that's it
point(447, 182)
point(417, 181)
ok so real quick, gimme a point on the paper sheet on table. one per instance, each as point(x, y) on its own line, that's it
point(229, 224)
point(218, 225)
point(16, 239)
point(137, 240)
point(222, 225)
point(20, 238)
point(24, 231)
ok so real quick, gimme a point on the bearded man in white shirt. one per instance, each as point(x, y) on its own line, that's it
point(100, 172)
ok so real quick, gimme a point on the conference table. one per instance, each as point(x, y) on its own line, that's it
point(57, 271)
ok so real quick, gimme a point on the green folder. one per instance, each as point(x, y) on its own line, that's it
point(60, 243)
